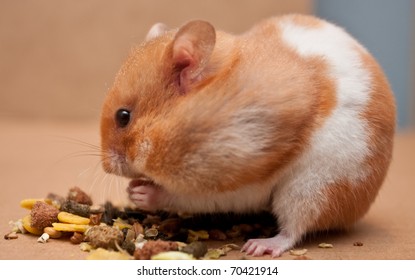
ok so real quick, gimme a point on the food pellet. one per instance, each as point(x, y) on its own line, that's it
point(43, 215)
point(104, 237)
point(76, 208)
point(358, 244)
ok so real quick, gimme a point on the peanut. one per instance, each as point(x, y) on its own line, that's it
point(53, 233)
point(69, 218)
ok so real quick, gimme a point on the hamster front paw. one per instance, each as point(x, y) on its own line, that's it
point(145, 194)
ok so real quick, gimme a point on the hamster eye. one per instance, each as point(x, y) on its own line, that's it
point(122, 117)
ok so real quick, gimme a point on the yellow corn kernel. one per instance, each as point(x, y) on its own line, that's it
point(28, 203)
point(121, 224)
point(27, 220)
point(172, 255)
point(70, 218)
point(70, 227)
point(103, 254)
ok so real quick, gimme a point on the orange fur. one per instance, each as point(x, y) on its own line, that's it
point(215, 115)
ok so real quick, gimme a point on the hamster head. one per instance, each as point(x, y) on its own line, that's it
point(154, 78)
point(178, 116)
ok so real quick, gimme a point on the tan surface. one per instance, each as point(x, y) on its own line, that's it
point(39, 157)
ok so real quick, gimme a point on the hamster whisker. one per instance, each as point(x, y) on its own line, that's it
point(66, 139)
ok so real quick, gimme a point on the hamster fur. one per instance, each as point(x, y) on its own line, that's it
point(294, 117)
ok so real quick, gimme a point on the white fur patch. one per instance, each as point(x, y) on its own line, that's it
point(156, 30)
point(339, 147)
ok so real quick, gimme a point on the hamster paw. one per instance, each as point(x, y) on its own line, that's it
point(144, 194)
point(275, 246)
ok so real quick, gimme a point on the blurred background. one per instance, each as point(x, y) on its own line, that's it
point(59, 58)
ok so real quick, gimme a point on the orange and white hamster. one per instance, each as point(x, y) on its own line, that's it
point(294, 117)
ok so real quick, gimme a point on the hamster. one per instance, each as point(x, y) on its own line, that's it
point(294, 117)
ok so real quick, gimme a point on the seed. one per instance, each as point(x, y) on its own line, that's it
point(53, 233)
point(216, 234)
point(78, 195)
point(138, 229)
point(298, 252)
point(234, 232)
point(325, 245)
point(95, 219)
point(57, 200)
point(121, 224)
point(171, 225)
point(358, 243)
point(151, 233)
point(197, 235)
point(76, 238)
point(11, 235)
point(43, 238)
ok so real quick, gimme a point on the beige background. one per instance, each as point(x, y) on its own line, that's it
point(58, 58)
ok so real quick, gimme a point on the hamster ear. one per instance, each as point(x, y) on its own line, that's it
point(156, 30)
point(192, 47)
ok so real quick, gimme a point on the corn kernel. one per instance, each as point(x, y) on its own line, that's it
point(70, 218)
point(70, 227)
point(27, 225)
point(28, 203)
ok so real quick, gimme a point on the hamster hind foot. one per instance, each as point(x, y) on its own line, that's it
point(275, 246)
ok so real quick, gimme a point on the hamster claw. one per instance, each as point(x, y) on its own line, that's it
point(275, 246)
point(145, 196)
